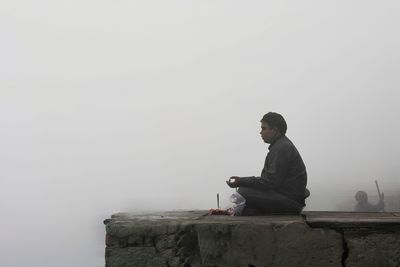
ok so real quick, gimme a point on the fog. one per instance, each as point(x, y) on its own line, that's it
point(109, 106)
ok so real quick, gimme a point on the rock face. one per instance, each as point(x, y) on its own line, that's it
point(192, 238)
point(376, 249)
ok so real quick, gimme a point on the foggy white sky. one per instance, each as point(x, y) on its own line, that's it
point(135, 105)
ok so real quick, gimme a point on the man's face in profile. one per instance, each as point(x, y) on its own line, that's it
point(268, 134)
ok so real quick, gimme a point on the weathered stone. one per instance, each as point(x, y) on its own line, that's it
point(376, 249)
point(165, 242)
point(313, 239)
point(167, 253)
point(263, 245)
point(136, 241)
point(134, 257)
point(173, 262)
point(111, 241)
point(187, 245)
point(140, 228)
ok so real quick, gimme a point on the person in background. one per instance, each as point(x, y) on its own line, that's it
point(364, 206)
point(281, 188)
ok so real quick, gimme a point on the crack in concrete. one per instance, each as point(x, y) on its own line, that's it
point(345, 252)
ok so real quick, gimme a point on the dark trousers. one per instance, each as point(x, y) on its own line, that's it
point(267, 202)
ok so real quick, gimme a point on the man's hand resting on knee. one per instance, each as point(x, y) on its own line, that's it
point(233, 181)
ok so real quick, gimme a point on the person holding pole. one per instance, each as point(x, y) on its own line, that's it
point(364, 206)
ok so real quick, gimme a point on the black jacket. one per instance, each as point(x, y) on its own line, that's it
point(284, 172)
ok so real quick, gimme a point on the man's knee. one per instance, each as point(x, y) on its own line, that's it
point(269, 201)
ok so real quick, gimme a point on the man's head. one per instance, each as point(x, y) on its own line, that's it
point(361, 197)
point(273, 125)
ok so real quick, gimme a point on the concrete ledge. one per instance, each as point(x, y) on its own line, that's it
point(191, 238)
point(342, 220)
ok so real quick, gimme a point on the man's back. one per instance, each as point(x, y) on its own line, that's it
point(285, 165)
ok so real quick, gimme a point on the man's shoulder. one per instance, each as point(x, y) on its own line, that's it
point(283, 143)
point(284, 146)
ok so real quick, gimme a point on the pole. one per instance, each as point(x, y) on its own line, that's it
point(377, 188)
point(379, 193)
point(218, 200)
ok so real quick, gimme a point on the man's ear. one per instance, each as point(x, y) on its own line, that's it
point(276, 130)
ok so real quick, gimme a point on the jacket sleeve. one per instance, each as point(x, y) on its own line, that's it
point(275, 170)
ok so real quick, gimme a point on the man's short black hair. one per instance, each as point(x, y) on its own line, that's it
point(275, 120)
